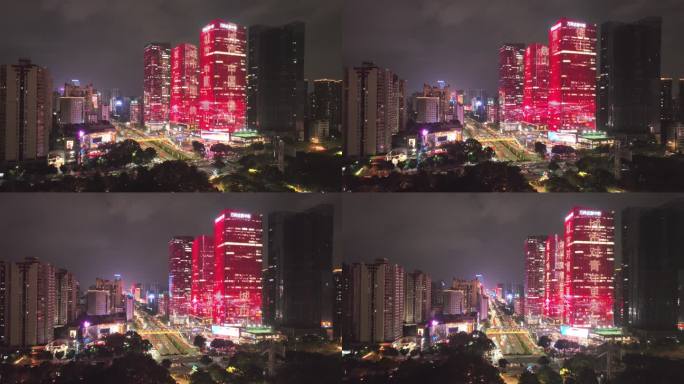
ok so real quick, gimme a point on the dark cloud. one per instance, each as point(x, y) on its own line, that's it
point(101, 41)
point(461, 235)
point(458, 40)
point(98, 235)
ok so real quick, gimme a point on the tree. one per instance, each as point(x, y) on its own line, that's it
point(199, 148)
point(544, 341)
point(200, 341)
point(548, 375)
point(540, 148)
point(166, 363)
point(205, 359)
point(527, 377)
point(543, 360)
point(201, 377)
point(503, 363)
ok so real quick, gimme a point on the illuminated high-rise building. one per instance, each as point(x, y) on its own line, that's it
point(25, 112)
point(511, 83)
point(553, 278)
point(32, 298)
point(184, 85)
point(417, 297)
point(157, 84)
point(202, 277)
point(536, 92)
point(238, 250)
point(223, 80)
point(327, 103)
point(535, 253)
point(180, 275)
point(589, 266)
point(629, 77)
point(572, 81)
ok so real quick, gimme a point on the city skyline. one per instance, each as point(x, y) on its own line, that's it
point(51, 35)
point(407, 39)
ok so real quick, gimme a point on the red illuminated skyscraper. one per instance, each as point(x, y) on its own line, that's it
point(238, 272)
point(202, 276)
point(572, 83)
point(535, 251)
point(536, 94)
point(223, 79)
point(184, 85)
point(588, 286)
point(180, 275)
point(511, 77)
point(553, 278)
point(157, 84)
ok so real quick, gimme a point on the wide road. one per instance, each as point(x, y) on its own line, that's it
point(167, 342)
point(506, 147)
point(511, 339)
point(166, 149)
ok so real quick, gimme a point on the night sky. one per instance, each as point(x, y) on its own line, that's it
point(102, 41)
point(98, 235)
point(446, 235)
point(458, 40)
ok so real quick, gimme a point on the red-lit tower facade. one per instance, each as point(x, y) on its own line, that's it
point(184, 85)
point(572, 82)
point(157, 84)
point(238, 268)
point(223, 79)
point(589, 265)
point(202, 277)
point(511, 81)
point(535, 251)
point(536, 92)
point(180, 276)
point(553, 278)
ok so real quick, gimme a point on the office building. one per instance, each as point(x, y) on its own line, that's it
point(472, 290)
point(71, 110)
point(511, 83)
point(202, 286)
point(115, 291)
point(298, 286)
point(427, 109)
point(223, 80)
point(66, 297)
point(536, 88)
point(277, 91)
point(180, 276)
point(453, 302)
point(589, 266)
point(238, 250)
point(652, 267)
point(572, 81)
point(629, 77)
point(553, 278)
point(98, 302)
point(184, 85)
point(25, 112)
point(157, 85)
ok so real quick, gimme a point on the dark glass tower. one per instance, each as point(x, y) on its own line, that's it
point(629, 77)
point(652, 267)
point(298, 286)
point(276, 90)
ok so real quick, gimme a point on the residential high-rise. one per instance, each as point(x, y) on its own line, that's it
point(370, 110)
point(536, 89)
point(342, 307)
point(157, 84)
point(572, 81)
point(378, 302)
point(453, 302)
point(66, 297)
point(665, 100)
point(184, 85)
point(472, 290)
point(511, 83)
point(535, 253)
point(629, 76)
point(71, 110)
point(202, 286)
point(98, 302)
point(31, 303)
point(427, 109)
point(115, 291)
point(443, 94)
point(238, 249)
point(25, 112)
point(553, 278)
point(298, 286)
point(589, 267)
point(223, 79)
point(180, 276)
point(5, 281)
point(277, 91)
point(652, 267)
point(327, 103)
point(417, 297)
